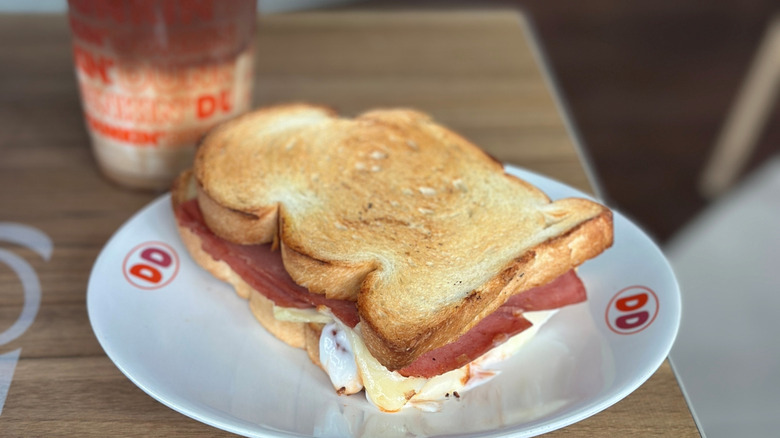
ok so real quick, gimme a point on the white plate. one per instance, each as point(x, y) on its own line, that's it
point(191, 343)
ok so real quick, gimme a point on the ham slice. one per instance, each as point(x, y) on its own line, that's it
point(262, 268)
point(499, 326)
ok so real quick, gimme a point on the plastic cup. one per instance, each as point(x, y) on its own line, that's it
point(155, 75)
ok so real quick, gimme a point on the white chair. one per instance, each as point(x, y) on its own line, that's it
point(727, 353)
point(747, 118)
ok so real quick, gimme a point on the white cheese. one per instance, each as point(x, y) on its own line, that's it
point(292, 314)
point(351, 366)
point(450, 384)
point(388, 390)
point(338, 360)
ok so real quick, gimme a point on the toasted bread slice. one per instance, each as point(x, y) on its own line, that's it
point(422, 228)
point(292, 333)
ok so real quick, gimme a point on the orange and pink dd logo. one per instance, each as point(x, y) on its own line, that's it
point(151, 265)
point(632, 310)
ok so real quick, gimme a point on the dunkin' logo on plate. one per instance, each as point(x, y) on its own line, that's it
point(151, 265)
point(632, 310)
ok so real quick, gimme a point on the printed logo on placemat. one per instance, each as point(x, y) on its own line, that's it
point(632, 310)
point(151, 265)
point(39, 242)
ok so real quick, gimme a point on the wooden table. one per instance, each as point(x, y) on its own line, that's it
point(477, 71)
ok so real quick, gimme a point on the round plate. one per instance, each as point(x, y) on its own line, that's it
point(190, 342)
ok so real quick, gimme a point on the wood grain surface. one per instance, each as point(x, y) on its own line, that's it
point(474, 71)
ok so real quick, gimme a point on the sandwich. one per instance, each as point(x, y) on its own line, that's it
point(399, 255)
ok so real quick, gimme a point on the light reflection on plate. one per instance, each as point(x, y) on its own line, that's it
point(194, 346)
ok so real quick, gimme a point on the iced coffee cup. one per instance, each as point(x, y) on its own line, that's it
point(155, 75)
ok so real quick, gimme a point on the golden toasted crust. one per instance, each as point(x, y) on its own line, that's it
point(339, 281)
point(237, 226)
point(419, 226)
point(534, 268)
point(291, 333)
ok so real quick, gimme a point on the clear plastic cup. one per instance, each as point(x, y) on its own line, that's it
point(155, 75)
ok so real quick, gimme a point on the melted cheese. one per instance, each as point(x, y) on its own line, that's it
point(444, 386)
point(351, 366)
point(338, 360)
point(388, 390)
point(301, 315)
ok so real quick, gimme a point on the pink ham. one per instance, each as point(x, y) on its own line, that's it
point(499, 326)
point(263, 269)
point(564, 290)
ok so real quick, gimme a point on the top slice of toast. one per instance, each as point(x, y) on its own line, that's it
point(422, 228)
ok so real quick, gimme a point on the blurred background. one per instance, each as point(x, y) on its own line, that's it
point(649, 86)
